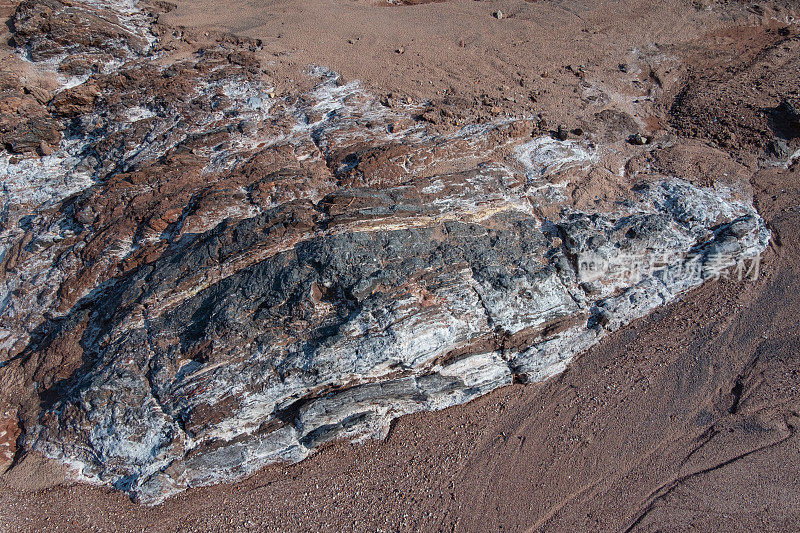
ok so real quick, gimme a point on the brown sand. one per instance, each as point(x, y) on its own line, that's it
point(554, 51)
point(685, 420)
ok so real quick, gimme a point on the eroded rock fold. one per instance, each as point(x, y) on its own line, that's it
point(200, 277)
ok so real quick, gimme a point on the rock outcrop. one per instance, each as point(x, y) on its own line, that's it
point(201, 278)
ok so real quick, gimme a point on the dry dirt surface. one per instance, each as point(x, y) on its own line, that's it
point(684, 420)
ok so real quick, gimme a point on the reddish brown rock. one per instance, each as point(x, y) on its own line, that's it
point(9, 433)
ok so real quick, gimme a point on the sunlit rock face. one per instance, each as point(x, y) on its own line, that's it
point(201, 278)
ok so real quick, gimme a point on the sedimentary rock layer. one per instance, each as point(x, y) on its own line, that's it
point(201, 277)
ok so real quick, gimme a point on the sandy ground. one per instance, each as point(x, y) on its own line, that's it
point(685, 420)
point(546, 57)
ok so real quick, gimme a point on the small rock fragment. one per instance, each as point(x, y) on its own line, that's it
point(562, 133)
point(637, 139)
point(779, 149)
point(44, 148)
point(255, 102)
point(542, 124)
point(498, 15)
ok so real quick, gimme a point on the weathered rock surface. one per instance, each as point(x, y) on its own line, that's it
point(201, 279)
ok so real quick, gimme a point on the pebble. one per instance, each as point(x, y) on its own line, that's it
point(562, 133)
point(44, 148)
point(255, 102)
point(638, 139)
point(498, 15)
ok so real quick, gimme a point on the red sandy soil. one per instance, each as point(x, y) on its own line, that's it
point(553, 50)
point(685, 420)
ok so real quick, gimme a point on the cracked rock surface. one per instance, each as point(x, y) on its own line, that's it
point(201, 277)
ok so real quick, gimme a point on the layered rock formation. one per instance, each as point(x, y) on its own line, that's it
point(200, 277)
